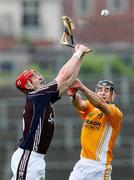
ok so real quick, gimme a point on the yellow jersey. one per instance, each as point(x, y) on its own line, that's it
point(99, 132)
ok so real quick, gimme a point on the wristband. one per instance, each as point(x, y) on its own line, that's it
point(78, 54)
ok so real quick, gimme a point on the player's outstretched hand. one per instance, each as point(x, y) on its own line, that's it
point(82, 48)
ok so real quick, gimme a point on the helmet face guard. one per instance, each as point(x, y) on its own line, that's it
point(22, 79)
point(106, 83)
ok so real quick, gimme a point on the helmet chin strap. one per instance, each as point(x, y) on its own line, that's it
point(30, 85)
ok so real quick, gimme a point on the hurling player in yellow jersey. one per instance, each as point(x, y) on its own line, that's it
point(102, 122)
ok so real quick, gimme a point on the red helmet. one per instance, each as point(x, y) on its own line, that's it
point(21, 80)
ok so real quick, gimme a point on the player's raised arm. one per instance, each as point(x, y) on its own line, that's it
point(95, 99)
point(70, 70)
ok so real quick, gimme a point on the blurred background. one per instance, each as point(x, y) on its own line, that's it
point(30, 32)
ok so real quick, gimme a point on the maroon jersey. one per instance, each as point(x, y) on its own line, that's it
point(38, 118)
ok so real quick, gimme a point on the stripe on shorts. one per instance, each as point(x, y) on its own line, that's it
point(22, 167)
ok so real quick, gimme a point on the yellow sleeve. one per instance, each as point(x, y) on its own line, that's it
point(84, 113)
point(115, 117)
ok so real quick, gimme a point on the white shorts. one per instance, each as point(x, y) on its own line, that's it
point(26, 165)
point(86, 169)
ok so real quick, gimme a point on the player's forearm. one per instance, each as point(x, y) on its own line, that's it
point(71, 69)
point(94, 99)
point(75, 99)
point(78, 102)
point(68, 74)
